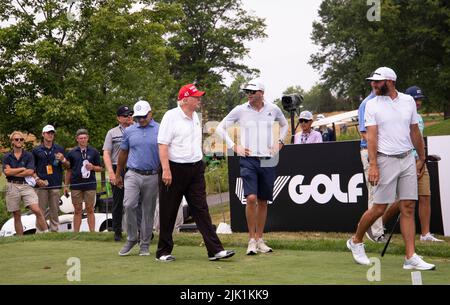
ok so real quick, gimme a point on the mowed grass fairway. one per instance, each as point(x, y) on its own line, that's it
point(299, 258)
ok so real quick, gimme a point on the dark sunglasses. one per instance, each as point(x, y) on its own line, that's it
point(250, 91)
point(303, 121)
point(19, 139)
point(140, 117)
point(126, 115)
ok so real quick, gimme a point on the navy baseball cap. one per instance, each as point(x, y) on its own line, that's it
point(415, 92)
point(124, 110)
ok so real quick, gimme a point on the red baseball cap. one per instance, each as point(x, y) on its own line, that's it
point(189, 90)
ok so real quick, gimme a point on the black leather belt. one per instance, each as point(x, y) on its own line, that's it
point(398, 156)
point(144, 172)
point(188, 164)
point(17, 181)
point(260, 158)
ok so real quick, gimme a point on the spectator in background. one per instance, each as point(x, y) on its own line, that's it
point(84, 163)
point(423, 181)
point(18, 166)
point(111, 149)
point(328, 134)
point(49, 161)
point(307, 135)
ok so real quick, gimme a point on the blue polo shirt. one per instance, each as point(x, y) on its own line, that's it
point(361, 118)
point(142, 146)
point(76, 158)
point(25, 160)
point(43, 157)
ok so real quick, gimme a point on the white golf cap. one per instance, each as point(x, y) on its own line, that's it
point(306, 115)
point(141, 108)
point(254, 85)
point(383, 73)
point(48, 128)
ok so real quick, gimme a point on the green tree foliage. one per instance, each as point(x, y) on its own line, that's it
point(211, 42)
point(411, 37)
point(71, 63)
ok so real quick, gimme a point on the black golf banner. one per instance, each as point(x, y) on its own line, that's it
point(319, 187)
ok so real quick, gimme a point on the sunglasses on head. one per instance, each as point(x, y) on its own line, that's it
point(303, 121)
point(250, 91)
point(19, 139)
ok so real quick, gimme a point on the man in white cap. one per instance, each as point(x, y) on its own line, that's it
point(256, 120)
point(49, 161)
point(139, 153)
point(307, 135)
point(392, 134)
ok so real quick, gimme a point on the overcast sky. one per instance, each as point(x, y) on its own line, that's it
point(283, 56)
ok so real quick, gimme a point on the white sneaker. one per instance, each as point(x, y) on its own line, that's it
point(359, 254)
point(429, 237)
point(252, 245)
point(222, 255)
point(262, 247)
point(166, 258)
point(417, 263)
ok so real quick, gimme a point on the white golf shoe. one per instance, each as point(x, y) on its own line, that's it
point(359, 254)
point(417, 263)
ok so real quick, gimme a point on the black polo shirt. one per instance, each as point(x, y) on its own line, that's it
point(44, 157)
point(26, 160)
point(76, 159)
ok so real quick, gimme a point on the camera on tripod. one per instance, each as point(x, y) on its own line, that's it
point(291, 102)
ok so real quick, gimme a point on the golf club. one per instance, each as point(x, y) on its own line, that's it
point(390, 236)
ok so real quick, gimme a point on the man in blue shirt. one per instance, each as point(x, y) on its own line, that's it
point(17, 165)
point(376, 231)
point(84, 163)
point(49, 160)
point(139, 151)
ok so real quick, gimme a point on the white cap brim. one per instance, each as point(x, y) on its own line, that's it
point(378, 77)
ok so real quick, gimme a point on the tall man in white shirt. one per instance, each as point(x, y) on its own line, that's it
point(180, 152)
point(256, 120)
point(392, 133)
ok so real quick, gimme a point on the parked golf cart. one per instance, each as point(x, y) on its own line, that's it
point(103, 218)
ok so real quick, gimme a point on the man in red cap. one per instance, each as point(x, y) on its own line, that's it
point(180, 152)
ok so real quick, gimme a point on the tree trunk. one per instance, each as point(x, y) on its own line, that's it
point(447, 111)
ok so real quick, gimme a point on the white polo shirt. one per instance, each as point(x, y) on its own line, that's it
point(256, 127)
point(393, 119)
point(183, 135)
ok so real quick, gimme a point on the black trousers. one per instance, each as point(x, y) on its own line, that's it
point(117, 208)
point(187, 180)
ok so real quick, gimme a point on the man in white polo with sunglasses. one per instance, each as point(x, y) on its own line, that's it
point(392, 133)
point(257, 150)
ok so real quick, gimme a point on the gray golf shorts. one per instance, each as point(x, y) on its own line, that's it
point(398, 179)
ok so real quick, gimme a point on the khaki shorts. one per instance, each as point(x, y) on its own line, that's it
point(88, 197)
point(18, 192)
point(424, 183)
